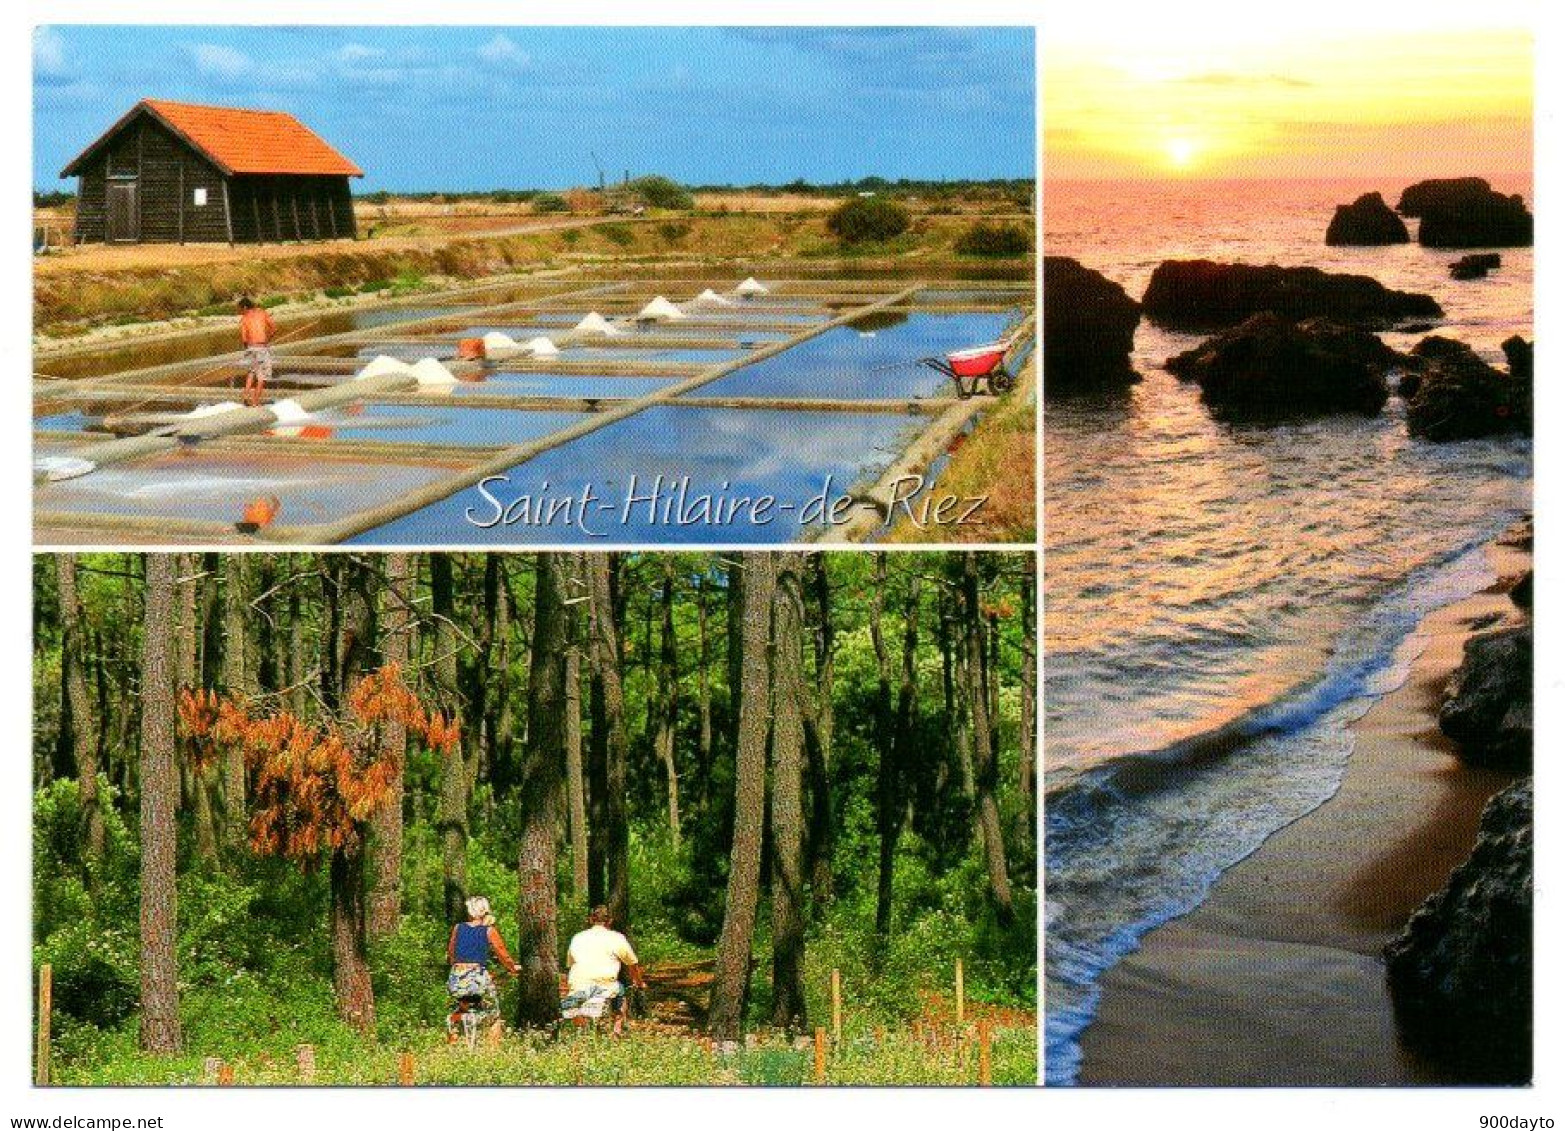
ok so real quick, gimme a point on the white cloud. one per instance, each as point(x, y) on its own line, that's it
point(224, 62)
point(358, 52)
point(49, 60)
point(501, 49)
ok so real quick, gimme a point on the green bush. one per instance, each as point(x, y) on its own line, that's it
point(994, 240)
point(337, 292)
point(618, 234)
point(672, 232)
point(661, 192)
point(550, 202)
point(869, 219)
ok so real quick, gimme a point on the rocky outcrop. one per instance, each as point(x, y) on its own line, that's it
point(1444, 193)
point(1475, 266)
point(1487, 708)
point(1467, 212)
point(1520, 591)
point(1198, 294)
point(1518, 356)
point(1268, 367)
point(1459, 396)
point(1367, 222)
point(1089, 327)
point(1461, 971)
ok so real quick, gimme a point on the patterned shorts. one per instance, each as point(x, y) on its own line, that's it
point(472, 982)
point(258, 361)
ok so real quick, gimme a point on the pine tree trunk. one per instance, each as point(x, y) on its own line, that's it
point(159, 799)
point(575, 771)
point(451, 816)
point(820, 725)
point(538, 984)
point(731, 980)
point(985, 767)
point(703, 700)
point(668, 699)
point(604, 619)
point(350, 943)
point(788, 691)
point(236, 679)
point(385, 899)
point(84, 731)
point(887, 784)
point(1026, 736)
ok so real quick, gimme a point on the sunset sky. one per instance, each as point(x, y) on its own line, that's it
point(1326, 89)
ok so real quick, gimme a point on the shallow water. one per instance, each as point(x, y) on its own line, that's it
point(1223, 600)
point(563, 385)
point(878, 358)
point(732, 454)
point(424, 424)
point(214, 487)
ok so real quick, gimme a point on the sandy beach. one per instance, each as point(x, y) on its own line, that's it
point(1276, 979)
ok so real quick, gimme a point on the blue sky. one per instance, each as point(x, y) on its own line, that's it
point(479, 108)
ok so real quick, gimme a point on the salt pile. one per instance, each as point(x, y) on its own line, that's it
point(542, 347)
point(431, 374)
point(659, 310)
point(498, 345)
point(595, 323)
point(382, 366)
point(212, 409)
point(710, 297)
point(750, 288)
point(289, 411)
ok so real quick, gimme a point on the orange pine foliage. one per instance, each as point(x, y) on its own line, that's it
point(314, 785)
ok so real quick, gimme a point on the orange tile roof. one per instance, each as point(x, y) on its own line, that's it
point(242, 141)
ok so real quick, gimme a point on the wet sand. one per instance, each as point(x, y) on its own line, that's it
point(1276, 979)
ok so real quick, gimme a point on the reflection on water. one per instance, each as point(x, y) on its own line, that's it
point(788, 455)
point(867, 360)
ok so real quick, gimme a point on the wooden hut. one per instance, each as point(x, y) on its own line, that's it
point(174, 172)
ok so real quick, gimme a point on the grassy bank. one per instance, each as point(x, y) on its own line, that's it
point(73, 297)
point(997, 459)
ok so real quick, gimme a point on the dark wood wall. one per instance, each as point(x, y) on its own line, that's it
point(166, 172)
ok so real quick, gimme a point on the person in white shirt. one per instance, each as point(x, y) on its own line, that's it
point(598, 959)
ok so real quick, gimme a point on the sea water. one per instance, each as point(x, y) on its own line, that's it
point(1224, 600)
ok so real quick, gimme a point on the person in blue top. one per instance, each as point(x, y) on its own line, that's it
point(468, 952)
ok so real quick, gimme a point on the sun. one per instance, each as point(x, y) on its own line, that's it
point(1180, 150)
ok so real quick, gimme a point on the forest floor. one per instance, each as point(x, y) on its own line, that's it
point(666, 1043)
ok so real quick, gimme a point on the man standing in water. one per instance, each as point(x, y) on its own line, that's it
point(255, 331)
point(596, 957)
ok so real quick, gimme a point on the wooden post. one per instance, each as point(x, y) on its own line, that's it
point(961, 1005)
point(306, 1058)
point(45, 1021)
point(225, 1075)
point(492, 1035)
point(984, 1076)
point(405, 1069)
point(820, 1055)
point(211, 1069)
point(836, 1006)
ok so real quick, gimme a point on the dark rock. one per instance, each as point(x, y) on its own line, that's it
point(1453, 192)
point(1518, 356)
point(1475, 266)
point(1367, 222)
point(1521, 591)
point(1197, 294)
point(1408, 383)
point(1270, 367)
point(1497, 221)
point(1461, 971)
point(1487, 709)
point(1467, 212)
point(1460, 397)
point(1089, 327)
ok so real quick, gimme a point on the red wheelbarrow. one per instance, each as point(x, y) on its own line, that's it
point(967, 368)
